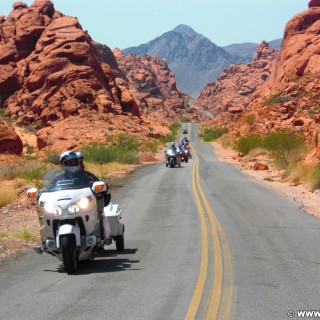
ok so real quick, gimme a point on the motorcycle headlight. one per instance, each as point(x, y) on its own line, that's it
point(81, 204)
point(84, 203)
point(73, 208)
point(170, 153)
point(53, 209)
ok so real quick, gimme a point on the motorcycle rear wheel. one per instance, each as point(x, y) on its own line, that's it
point(69, 254)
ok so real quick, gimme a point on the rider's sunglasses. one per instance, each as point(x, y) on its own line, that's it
point(71, 162)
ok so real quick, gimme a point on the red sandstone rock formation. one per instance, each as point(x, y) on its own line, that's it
point(154, 86)
point(10, 142)
point(55, 78)
point(290, 98)
point(233, 92)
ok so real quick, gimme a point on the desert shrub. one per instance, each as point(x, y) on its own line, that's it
point(52, 157)
point(248, 143)
point(24, 235)
point(315, 178)
point(3, 235)
point(2, 112)
point(97, 152)
point(285, 146)
point(210, 134)
point(32, 171)
point(174, 128)
point(151, 145)
point(276, 98)
point(29, 151)
point(299, 172)
point(126, 142)
point(250, 119)
point(226, 141)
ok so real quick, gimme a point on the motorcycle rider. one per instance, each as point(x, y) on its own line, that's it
point(185, 141)
point(175, 150)
point(70, 165)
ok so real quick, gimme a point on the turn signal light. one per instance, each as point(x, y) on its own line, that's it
point(99, 188)
point(32, 194)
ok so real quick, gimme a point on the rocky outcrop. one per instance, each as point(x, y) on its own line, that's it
point(10, 142)
point(289, 99)
point(19, 34)
point(62, 77)
point(52, 75)
point(233, 92)
point(153, 84)
point(72, 132)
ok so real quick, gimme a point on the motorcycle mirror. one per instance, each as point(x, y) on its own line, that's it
point(99, 186)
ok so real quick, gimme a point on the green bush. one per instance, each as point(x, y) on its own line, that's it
point(98, 152)
point(248, 143)
point(152, 145)
point(285, 145)
point(24, 235)
point(52, 157)
point(126, 142)
point(174, 127)
point(210, 134)
point(315, 180)
point(276, 98)
point(250, 119)
point(3, 235)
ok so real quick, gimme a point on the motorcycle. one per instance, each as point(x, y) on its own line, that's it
point(172, 158)
point(74, 224)
point(186, 153)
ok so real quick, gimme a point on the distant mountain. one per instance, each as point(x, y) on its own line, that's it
point(193, 58)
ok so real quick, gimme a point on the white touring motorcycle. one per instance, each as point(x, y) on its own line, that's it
point(74, 223)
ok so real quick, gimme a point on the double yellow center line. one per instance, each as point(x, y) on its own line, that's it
point(219, 296)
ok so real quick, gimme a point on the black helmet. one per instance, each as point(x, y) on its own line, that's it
point(69, 161)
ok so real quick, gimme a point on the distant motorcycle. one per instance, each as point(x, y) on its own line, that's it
point(184, 153)
point(74, 224)
point(172, 157)
point(187, 153)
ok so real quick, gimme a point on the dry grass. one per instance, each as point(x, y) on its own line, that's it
point(108, 170)
point(7, 196)
point(306, 173)
point(258, 152)
point(226, 141)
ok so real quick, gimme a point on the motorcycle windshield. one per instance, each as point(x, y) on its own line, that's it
point(171, 152)
point(57, 179)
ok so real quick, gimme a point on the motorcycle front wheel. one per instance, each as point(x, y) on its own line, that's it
point(69, 253)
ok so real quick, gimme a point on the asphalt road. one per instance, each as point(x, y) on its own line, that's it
point(202, 241)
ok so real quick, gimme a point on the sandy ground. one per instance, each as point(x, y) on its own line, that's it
point(309, 200)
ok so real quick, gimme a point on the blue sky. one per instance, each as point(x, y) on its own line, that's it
point(126, 23)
